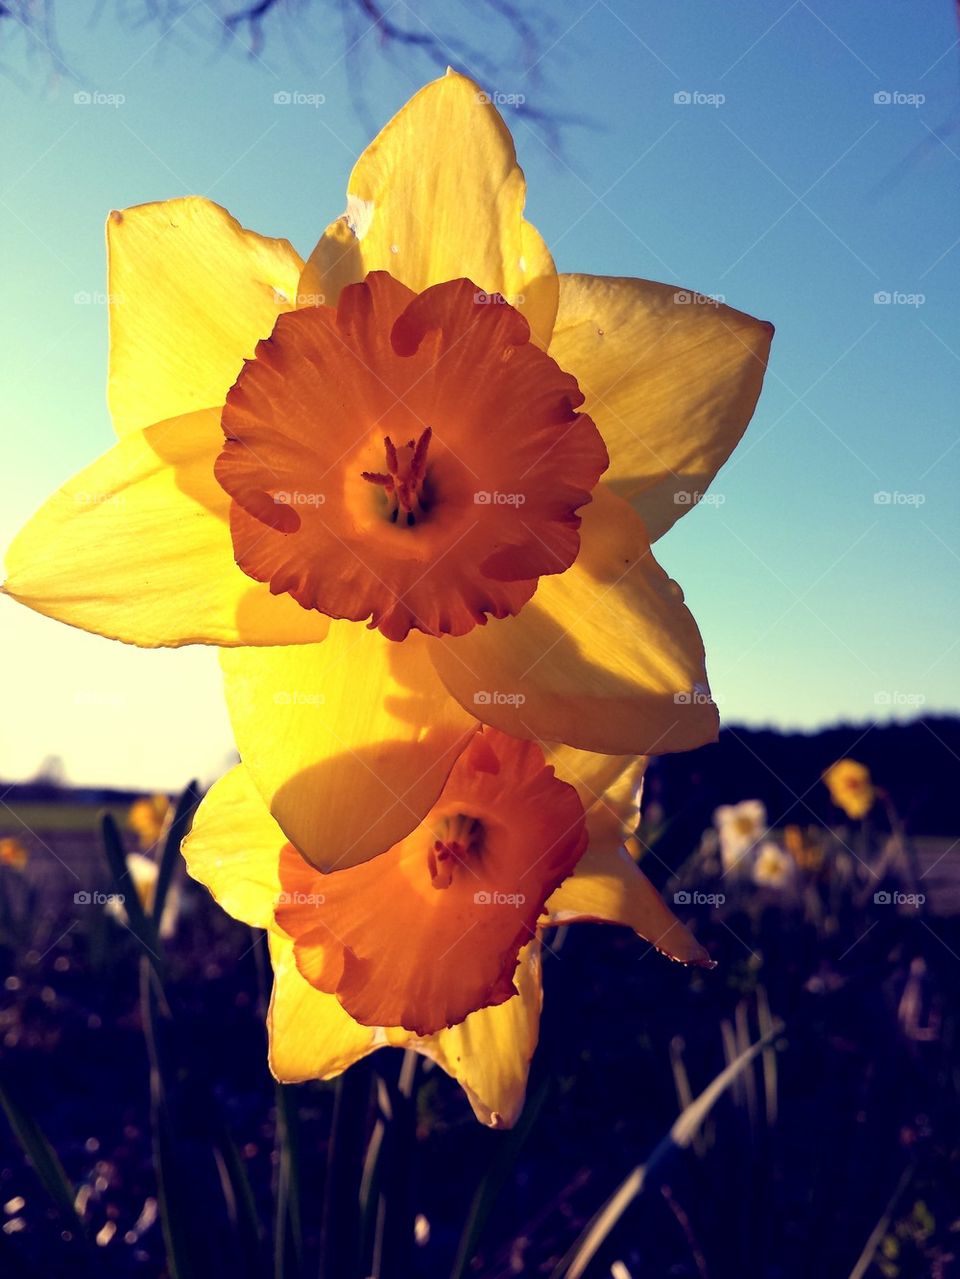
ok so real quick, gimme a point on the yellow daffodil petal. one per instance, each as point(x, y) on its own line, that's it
point(670, 378)
point(609, 788)
point(191, 292)
point(311, 1036)
point(438, 195)
point(608, 887)
point(234, 849)
point(348, 741)
point(137, 547)
point(605, 657)
point(489, 1054)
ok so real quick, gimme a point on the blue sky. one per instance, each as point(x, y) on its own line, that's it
point(798, 197)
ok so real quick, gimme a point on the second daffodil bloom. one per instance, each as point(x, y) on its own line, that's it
point(424, 427)
point(435, 944)
point(148, 818)
point(850, 787)
point(13, 853)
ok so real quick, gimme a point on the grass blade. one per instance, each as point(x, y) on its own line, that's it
point(288, 1233)
point(169, 858)
point(865, 1260)
point(494, 1180)
point(238, 1194)
point(175, 1208)
point(42, 1158)
point(340, 1234)
point(138, 922)
point(680, 1136)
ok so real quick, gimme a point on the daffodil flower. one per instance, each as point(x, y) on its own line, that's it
point(13, 853)
point(148, 818)
point(435, 944)
point(851, 787)
point(773, 867)
point(411, 427)
point(144, 873)
point(740, 828)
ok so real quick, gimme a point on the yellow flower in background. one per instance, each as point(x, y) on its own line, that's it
point(445, 937)
point(804, 847)
point(143, 873)
point(13, 853)
point(773, 868)
point(850, 787)
point(410, 426)
point(148, 818)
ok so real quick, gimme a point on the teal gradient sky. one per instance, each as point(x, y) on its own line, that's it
point(798, 199)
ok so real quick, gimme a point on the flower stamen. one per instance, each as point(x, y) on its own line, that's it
point(457, 838)
point(404, 480)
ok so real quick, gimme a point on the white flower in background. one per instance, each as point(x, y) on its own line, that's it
point(773, 867)
point(143, 872)
point(740, 827)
